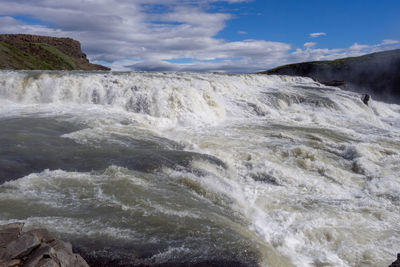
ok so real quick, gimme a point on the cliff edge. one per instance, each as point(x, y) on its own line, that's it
point(33, 52)
point(377, 74)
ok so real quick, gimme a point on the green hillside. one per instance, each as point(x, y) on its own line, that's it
point(32, 52)
point(41, 57)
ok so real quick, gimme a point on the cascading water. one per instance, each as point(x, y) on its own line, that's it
point(184, 169)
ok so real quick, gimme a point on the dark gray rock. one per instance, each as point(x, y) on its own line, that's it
point(397, 262)
point(365, 99)
point(340, 84)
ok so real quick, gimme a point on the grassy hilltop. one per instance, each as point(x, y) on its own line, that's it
point(32, 52)
point(377, 74)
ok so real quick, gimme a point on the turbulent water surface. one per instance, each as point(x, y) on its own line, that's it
point(174, 168)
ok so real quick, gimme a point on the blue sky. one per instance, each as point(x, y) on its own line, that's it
point(236, 36)
point(345, 21)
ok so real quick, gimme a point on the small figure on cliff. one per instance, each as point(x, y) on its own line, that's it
point(365, 99)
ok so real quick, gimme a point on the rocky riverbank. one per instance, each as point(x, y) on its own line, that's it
point(35, 248)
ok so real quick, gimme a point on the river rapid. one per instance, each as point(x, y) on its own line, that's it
point(188, 168)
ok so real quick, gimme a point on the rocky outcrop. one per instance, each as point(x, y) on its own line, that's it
point(35, 248)
point(23, 51)
point(377, 74)
point(68, 46)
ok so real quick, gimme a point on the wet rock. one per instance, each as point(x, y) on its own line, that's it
point(397, 262)
point(265, 178)
point(336, 83)
point(35, 248)
point(365, 99)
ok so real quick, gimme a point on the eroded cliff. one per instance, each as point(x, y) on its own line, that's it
point(23, 51)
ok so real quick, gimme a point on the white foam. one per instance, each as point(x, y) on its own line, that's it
point(330, 163)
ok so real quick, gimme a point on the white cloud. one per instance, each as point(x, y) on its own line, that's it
point(242, 32)
point(317, 34)
point(155, 34)
point(359, 47)
point(389, 42)
point(309, 44)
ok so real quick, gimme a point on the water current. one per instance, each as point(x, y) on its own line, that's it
point(188, 168)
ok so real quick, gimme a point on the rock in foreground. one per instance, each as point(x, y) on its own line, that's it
point(35, 248)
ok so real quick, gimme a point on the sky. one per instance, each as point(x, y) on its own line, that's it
point(233, 36)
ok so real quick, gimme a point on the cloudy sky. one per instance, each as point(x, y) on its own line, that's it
point(236, 36)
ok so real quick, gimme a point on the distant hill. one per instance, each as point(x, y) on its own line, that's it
point(377, 74)
point(33, 52)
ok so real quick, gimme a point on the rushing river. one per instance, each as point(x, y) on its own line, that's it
point(187, 168)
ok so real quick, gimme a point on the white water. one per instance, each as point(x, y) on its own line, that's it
point(312, 172)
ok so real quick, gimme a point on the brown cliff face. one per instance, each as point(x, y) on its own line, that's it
point(32, 46)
